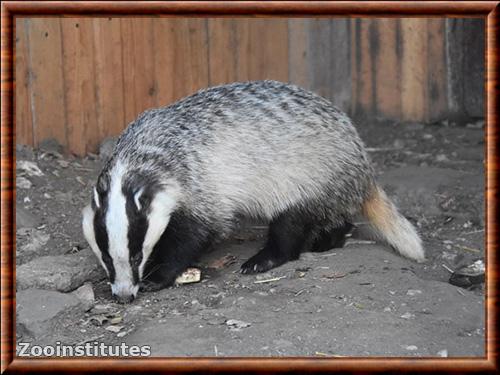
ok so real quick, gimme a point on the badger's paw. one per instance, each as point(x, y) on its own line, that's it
point(260, 262)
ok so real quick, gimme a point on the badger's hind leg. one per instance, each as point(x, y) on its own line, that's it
point(291, 233)
point(328, 239)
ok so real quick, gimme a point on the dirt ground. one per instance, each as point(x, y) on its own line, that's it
point(361, 300)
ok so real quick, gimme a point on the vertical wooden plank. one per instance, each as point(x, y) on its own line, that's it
point(355, 36)
point(223, 50)
point(387, 68)
point(414, 69)
point(191, 52)
point(436, 93)
point(268, 49)
point(320, 56)
point(329, 55)
point(181, 57)
point(22, 95)
point(363, 67)
point(109, 88)
point(48, 100)
point(229, 50)
point(298, 54)
point(79, 86)
point(138, 66)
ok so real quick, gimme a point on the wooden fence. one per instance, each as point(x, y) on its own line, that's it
point(79, 80)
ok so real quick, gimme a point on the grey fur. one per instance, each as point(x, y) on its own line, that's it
point(251, 148)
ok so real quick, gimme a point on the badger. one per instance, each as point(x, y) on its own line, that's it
point(180, 178)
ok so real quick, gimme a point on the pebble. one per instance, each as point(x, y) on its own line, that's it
point(28, 167)
point(23, 183)
point(443, 353)
point(408, 316)
point(413, 292)
point(411, 348)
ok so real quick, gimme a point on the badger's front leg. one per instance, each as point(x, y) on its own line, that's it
point(184, 239)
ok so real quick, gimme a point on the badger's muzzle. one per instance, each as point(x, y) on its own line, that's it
point(124, 293)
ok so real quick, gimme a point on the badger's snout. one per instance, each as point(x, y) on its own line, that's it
point(124, 298)
point(124, 292)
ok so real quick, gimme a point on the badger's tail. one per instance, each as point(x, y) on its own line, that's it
point(390, 226)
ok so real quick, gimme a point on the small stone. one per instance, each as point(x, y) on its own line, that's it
point(443, 353)
point(36, 242)
point(85, 293)
point(442, 158)
point(29, 168)
point(191, 275)
point(121, 334)
point(408, 316)
point(116, 320)
point(62, 272)
point(23, 183)
point(236, 325)
point(411, 347)
point(427, 136)
point(387, 309)
point(38, 310)
point(413, 292)
point(114, 329)
point(63, 163)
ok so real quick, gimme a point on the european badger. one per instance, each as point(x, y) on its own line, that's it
point(181, 175)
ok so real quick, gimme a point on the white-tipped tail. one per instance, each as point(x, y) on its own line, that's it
point(391, 226)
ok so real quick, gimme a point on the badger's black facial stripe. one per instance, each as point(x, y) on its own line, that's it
point(138, 226)
point(101, 237)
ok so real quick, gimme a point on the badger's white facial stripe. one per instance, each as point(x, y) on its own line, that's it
point(162, 205)
point(96, 198)
point(88, 231)
point(117, 228)
point(136, 198)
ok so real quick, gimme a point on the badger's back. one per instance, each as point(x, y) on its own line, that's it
point(255, 148)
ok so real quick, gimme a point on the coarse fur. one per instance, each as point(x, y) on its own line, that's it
point(181, 175)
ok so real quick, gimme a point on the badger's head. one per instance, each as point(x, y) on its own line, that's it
point(129, 211)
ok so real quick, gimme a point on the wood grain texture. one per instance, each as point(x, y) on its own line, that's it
point(23, 118)
point(138, 59)
point(109, 79)
point(79, 83)
point(46, 64)
point(267, 8)
point(7, 192)
point(414, 69)
point(387, 67)
point(492, 175)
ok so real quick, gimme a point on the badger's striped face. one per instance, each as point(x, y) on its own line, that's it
point(125, 220)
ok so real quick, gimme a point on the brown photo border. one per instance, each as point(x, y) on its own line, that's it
point(11, 9)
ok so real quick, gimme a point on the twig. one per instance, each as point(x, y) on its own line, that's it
point(447, 268)
point(474, 231)
point(468, 249)
point(269, 280)
point(460, 292)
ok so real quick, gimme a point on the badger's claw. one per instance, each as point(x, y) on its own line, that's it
point(261, 262)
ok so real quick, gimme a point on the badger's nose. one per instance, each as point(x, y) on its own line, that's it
point(124, 298)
